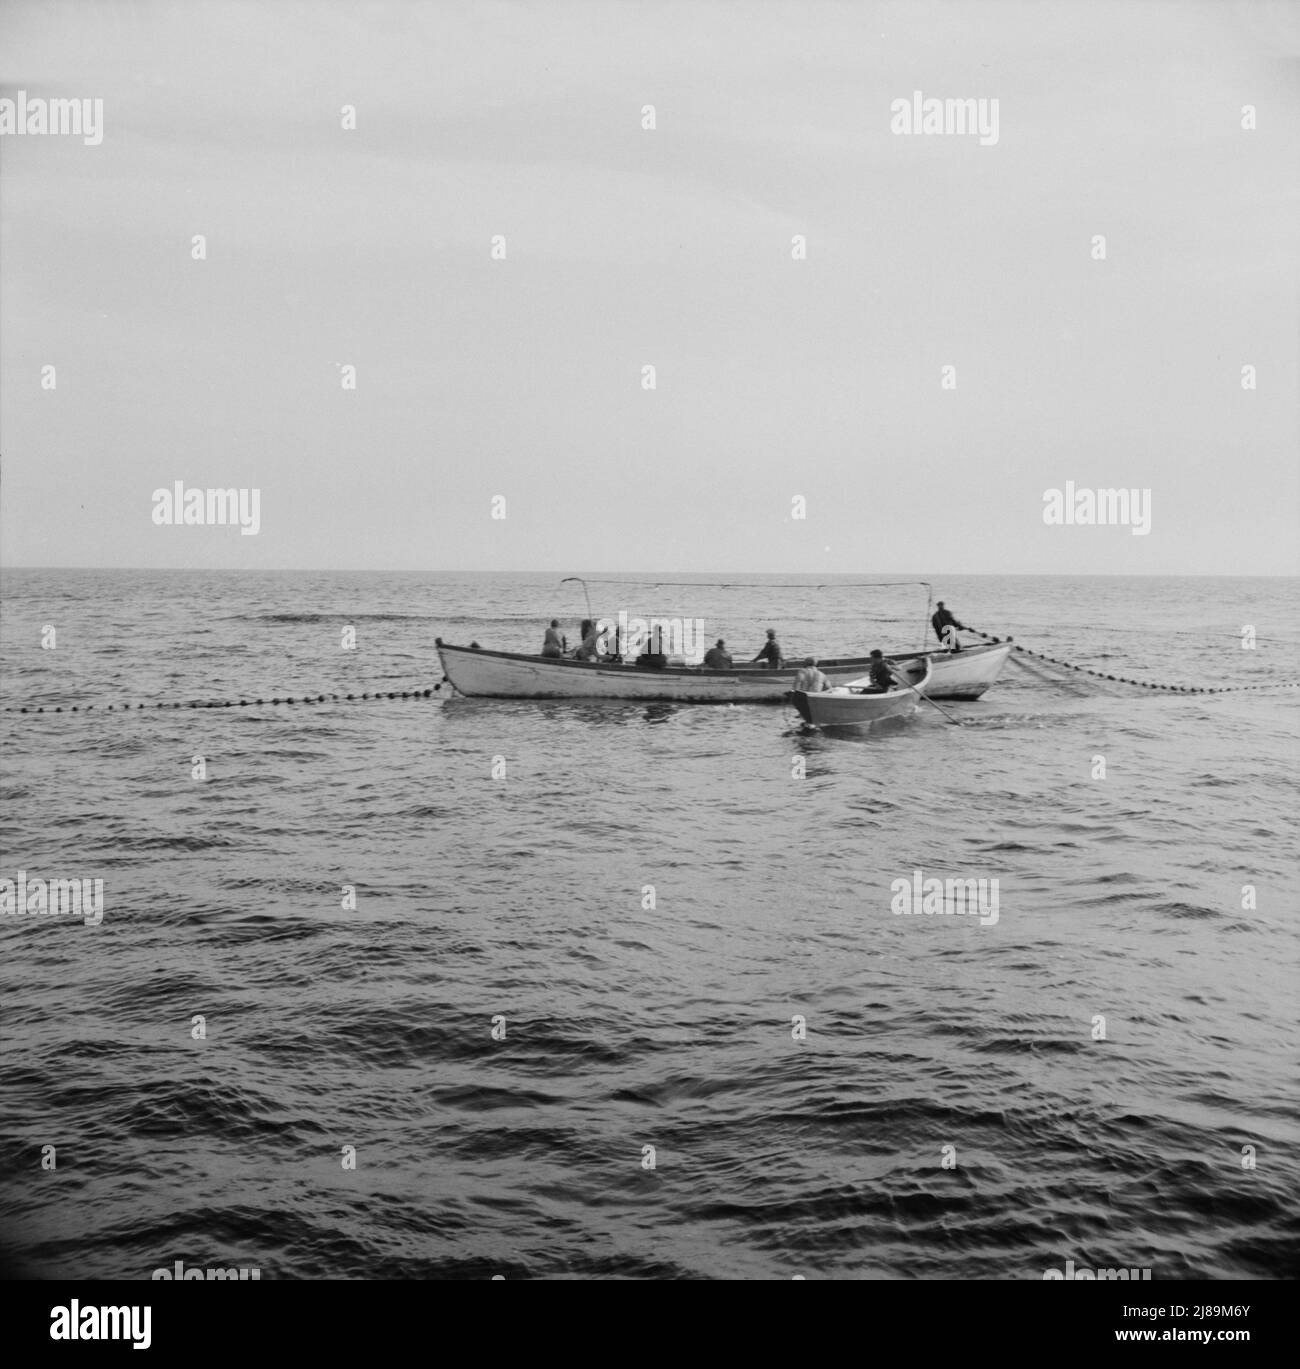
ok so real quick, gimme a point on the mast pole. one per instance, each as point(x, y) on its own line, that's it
point(568, 578)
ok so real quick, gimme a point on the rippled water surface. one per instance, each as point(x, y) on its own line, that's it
point(500, 854)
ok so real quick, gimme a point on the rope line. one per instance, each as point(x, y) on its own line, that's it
point(241, 703)
point(1139, 684)
point(747, 584)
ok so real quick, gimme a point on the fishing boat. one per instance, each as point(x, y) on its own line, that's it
point(963, 674)
point(858, 705)
point(477, 673)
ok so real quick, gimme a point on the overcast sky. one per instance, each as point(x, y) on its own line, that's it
point(672, 247)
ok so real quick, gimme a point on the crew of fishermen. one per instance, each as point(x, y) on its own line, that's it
point(810, 678)
point(554, 644)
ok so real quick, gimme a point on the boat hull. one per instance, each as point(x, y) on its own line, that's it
point(509, 675)
point(964, 674)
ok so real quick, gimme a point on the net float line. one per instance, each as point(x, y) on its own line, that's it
point(1125, 679)
point(274, 700)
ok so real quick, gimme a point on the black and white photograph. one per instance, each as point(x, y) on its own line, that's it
point(647, 641)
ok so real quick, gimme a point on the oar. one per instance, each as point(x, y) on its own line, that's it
point(902, 679)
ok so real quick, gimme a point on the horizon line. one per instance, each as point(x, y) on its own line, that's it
point(903, 576)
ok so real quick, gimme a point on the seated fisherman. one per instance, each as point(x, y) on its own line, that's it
point(810, 679)
point(882, 676)
point(717, 657)
point(770, 655)
point(554, 643)
point(607, 645)
point(590, 649)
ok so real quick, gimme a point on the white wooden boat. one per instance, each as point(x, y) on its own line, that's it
point(963, 674)
point(857, 704)
point(476, 673)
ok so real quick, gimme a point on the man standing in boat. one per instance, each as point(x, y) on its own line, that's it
point(771, 652)
point(945, 626)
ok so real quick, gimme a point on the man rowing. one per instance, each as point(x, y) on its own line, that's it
point(882, 676)
point(770, 653)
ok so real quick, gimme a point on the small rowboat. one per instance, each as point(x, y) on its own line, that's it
point(858, 705)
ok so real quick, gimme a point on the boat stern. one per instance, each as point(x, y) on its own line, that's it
point(799, 698)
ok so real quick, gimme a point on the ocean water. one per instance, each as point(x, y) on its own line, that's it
point(652, 898)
